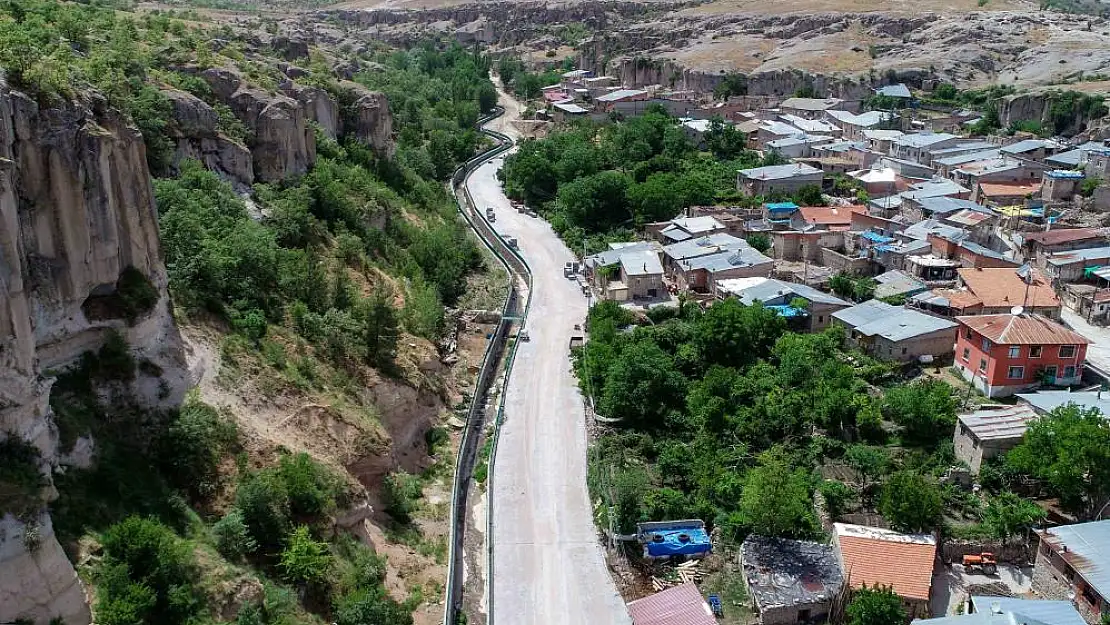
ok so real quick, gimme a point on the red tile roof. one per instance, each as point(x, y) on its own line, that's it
point(1062, 235)
point(879, 557)
point(998, 287)
point(680, 605)
point(1009, 189)
point(831, 215)
point(1022, 329)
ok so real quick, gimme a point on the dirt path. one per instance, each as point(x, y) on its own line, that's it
point(548, 565)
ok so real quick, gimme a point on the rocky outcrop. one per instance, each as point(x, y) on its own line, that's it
point(76, 211)
point(196, 133)
point(283, 144)
point(371, 120)
point(318, 105)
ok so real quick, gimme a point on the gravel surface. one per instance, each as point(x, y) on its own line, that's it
point(548, 565)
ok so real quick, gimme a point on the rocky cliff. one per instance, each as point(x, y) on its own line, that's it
point(76, 212)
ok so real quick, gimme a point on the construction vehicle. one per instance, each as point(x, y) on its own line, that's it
point(984, 561)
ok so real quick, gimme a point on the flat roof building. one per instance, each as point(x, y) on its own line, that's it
point(790, 581)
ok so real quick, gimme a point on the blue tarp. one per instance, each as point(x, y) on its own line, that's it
point(781, 207)
point(787, 311)
point(876, 237)
point(697, 542)
point(885, 248)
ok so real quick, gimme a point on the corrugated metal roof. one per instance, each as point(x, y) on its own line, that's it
point(704, 246)
point(1047, 401)
point(620, 94)
point(899, 90)
point(874, 556)
point(641, 264)
point(894, 323)
point(779, 172)
point(1062, 235)
point(1047, 612)
point(999, 422)
point(1077, 256)
point(1024, 329)
point(1088, 551)
point(771, 291)
point(680, 605)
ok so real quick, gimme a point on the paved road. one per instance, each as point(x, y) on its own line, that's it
point(548, 566)
point(1098, 352)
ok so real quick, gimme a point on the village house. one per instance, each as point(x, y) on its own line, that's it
point(778, 293)
point(1034, 245)
point(905, 168)
point(876, 182)
point(967, 252)
point(798, 246)
point(607, 102)
point(1073, 564)
point(870, 556)
point(929, 267)
point(797, 146)
point(898, 91)
point(941, 206)
point(1017, 193)
point(700, 264)
point(897, 284)
point(896, 333)
point(826, 217)
point(790, 581)
point(1089, 301)
point(1004, 354)
point(1031, 149)
point(1074, 265)
point(810, 108)
point(854, 126)
point(989, 432)
point(988, 610)
point(1098, 163)
point(1075, 158)
point(878, 139)
point(626, 271)
point(946, 164)
point(911, 199)
point(685, 228)
point(677, 604)
point(1061, 184)
point(917, 147)
point(566, 111)
point(991, 291)
point(780, 179)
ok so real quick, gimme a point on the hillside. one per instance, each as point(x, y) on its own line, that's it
point(233, 290)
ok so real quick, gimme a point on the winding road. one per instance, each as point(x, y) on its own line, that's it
point(548, 565)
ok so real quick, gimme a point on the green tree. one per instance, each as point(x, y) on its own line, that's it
point(809, 195)
point(597, 202)
point(304, 560)
point(759, 241)
point(724, 140)
point(233, 539)
point(487, 97)
point(1008, 515)
point(876, 606)
point(192, 446)
point(837, 496)
point(1069, 450)
point(149, 574)
point(776, 498)
point(380, 329)
point(911, 503)
point(925, 409)
point(732, 334)
point(642, 386)
point(370, 605)
point(730, 85)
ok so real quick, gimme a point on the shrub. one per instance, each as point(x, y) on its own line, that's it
point(147, 575)
point(264, 502)
point(837, 495)
point(401, 492)
point(191, 448)
point(21, 480)
point(304, 560)
point(233, 538)
point(313, 489)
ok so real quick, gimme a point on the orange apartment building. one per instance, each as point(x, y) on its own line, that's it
point(1004, 354)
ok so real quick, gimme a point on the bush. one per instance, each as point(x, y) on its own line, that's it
point(146, 575)
point(264, 503)
point(401, 492)
point(192, 446)
point(305, 561)
point(911, 503)
point(21, 480)
point(370, 605)
point(232, 536)
point(837, 496)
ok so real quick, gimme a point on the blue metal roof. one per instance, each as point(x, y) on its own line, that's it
point(1064, 173)
point(876, 237)
point(1050, 612)
point(787, 311)
point(781, 207)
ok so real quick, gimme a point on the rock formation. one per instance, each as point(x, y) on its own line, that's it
point(76, 211)
point(195, 130)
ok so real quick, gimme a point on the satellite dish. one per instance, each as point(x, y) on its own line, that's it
point(1017, 310)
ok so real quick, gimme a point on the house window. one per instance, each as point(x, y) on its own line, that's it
point(986, 345)
point(1015, 373)
point(1034, 351)
point(1015, 351)
point(1050, 371)
point(903, 351)
point(967, 353)
point(1067, 351)
point(1069, 371)
point(820, 318)
point(967, 333)
point(982, 364)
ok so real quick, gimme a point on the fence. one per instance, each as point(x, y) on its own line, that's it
point(475, 422)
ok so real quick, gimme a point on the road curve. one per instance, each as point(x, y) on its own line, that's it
point(548, 565)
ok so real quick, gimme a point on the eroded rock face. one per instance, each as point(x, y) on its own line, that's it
point(76, 210)
point(283, 144)
point(196, 132)
point(372, 121)
point(318, 105)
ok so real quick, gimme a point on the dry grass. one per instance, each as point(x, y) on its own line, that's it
point(855, 6)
